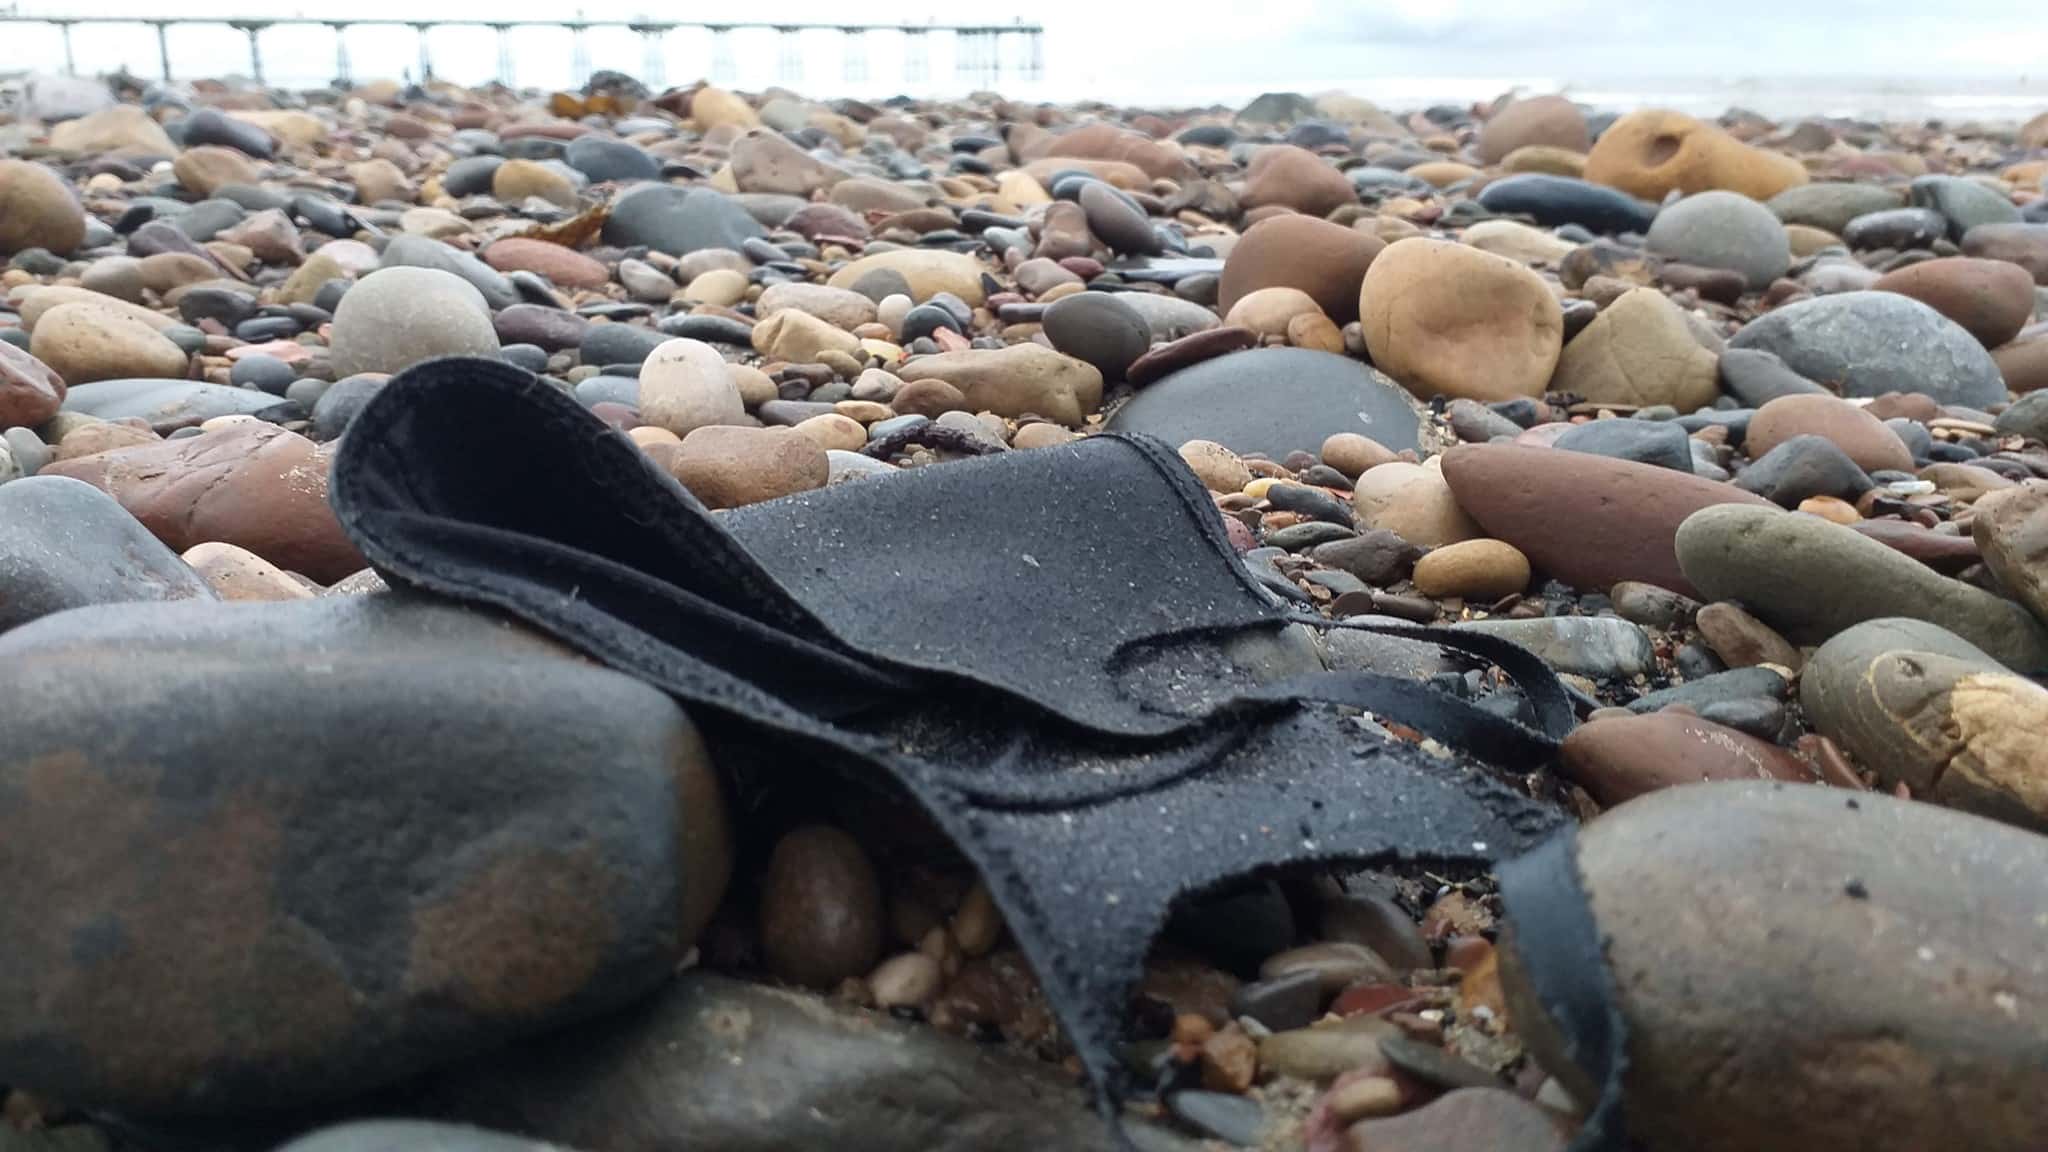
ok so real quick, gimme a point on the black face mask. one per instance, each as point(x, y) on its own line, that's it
point(1039, 647)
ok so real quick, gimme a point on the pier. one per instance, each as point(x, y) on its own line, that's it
point(984, 55)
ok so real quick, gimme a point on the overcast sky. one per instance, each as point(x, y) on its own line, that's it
point(1399, 51)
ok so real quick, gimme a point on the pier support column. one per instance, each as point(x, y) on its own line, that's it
point(426, 52)
point(343, 74)
point(255, 34)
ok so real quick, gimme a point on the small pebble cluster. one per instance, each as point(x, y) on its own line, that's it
point(1741, 427)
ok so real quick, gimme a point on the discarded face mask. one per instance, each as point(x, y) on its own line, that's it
point(1035, 646)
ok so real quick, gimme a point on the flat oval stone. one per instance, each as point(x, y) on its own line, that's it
point(167, 405)
point(1603, 647)
point(1796, 971)
point(677, 220)
point(1166, 359)
point(1620, 758)
point(1273, 401)
point(1660, 443)
point(1789, 570)
point(1896, 228)
point(1588, 520)
point(1554, 200)
point(1097, 327)
point(347, 873)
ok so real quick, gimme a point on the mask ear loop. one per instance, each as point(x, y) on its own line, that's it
point(1565, 961)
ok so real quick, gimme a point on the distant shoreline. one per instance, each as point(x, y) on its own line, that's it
point(1949, 99)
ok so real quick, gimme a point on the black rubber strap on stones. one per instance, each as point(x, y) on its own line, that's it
point(1565, 959)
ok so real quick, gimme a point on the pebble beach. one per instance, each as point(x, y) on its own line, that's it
point(1738, 425)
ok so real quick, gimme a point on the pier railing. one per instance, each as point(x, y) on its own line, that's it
point(984, 55)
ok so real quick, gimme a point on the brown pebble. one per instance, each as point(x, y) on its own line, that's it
point(821, 908)
point(1617, 760)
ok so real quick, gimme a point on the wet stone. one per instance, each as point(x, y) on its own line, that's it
point(1272, 401)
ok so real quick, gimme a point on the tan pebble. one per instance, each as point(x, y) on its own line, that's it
point(1805, 240)
point(800, 337)
point(873, 330)
point(1483, 570)
point(1316, 331)
point(978, 924)
point(1336, 965)
point(1042, 435)
point(1059, 291)
point(1543, 158)
point(1268, 311)
point(1217, 467)
point(1413, 502)
point(1327, 1052)
point(729, 466)
point(1230, 1061)
point(1741, 640)
point(833, 430)
point(756, 388)
point(721, 286)
point(647, 434)
point(887, 353)
point(906, 981)
point(228, 421)
point(1366, 1096)
point(1445, 319)
point(238, 574)
point(1830, 508)
point(100, 436)
point(1352, 454)
point(843, 364)
point(865, 411)
point(928, 397)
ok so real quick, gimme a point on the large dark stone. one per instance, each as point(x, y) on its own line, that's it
point(1801, 467)
point(1555, 200)
point(339, 404)
point(1273, 401)
point(602, 158)
point(678, 221)
point(715, 1063)
point(411, 251)
point(212, 126)
point(322, 845)
point(66, 544)
point(1799, 967)
point(618, 344)
point(1865, 344)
